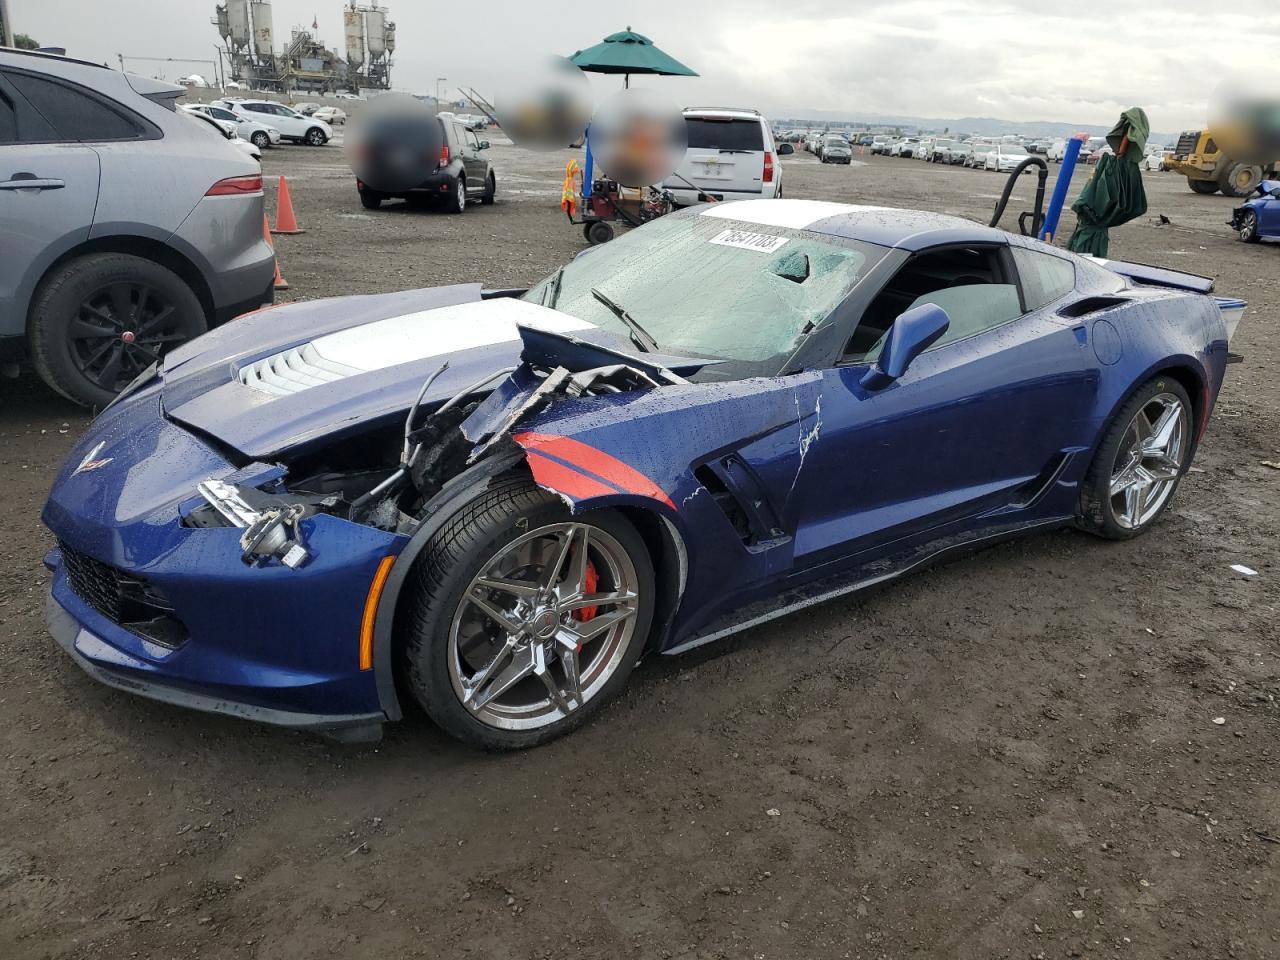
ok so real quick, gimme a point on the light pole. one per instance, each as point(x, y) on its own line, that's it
point(439, 80)
point(6, 27)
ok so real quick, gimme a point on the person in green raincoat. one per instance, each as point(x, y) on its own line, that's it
point(1114, 194)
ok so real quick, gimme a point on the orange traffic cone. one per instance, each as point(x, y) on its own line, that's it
point(280, 282)
point(286, 222)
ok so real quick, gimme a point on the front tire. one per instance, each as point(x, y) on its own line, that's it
point(260, 140)
point(1142, 458)
point(1249, 227)
point(100, 320)
point(524, 620)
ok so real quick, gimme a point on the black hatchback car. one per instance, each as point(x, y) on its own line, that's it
point(461, 172)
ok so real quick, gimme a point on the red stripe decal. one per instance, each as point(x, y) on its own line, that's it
point(596, 462)
point(562, 479)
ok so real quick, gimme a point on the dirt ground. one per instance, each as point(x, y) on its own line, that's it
point(1015, 755)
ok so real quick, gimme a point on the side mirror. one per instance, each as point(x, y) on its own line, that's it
point(785, 148)
point(911, 334)
point(483, 145)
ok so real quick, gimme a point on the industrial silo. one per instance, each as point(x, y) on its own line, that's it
point(353, 26)
point(261, 10)
point(374, 22)
point(390, 37)
point(238, 23)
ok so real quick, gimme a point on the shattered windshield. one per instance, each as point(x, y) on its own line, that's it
point(711, 287)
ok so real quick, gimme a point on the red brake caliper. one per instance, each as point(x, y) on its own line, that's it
point(590, 582)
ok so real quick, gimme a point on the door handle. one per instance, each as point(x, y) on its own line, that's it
point(29, 181)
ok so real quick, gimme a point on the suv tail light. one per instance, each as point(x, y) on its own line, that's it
point(236, 186)
point(768, 167)
point(444, 155)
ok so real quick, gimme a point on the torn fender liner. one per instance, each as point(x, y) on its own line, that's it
point(594, 473)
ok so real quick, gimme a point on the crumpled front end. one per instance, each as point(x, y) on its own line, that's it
point(148, 599)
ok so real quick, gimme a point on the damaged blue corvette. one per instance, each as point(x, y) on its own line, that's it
point(495, 502)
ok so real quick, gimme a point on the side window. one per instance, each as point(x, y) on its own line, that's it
point(1045, 277)
point(8, 120)
point(472, 140)
point(970, 283)
point(223, 114)
point(75, 114)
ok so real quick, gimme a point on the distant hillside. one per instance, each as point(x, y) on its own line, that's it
point(993, 126)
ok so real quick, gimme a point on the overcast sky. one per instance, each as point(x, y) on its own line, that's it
point(1078, 61)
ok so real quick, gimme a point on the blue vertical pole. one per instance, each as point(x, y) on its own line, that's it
point(589, 163)
point(1060, 186)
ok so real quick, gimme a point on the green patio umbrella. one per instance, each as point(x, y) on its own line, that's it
point(1114, 194)
point(626, 53)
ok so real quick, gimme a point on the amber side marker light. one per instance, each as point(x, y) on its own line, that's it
point(371, 611)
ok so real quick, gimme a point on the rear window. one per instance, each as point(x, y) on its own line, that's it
point(707, 133)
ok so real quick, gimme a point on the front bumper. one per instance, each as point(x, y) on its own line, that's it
point(110, 666)
point(265, 643)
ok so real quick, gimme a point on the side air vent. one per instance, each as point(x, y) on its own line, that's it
point(738, 492)
point(1082, 308)
point(293, 371)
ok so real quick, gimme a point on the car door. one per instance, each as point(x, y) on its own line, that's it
point(48, 192)
point(473, 160)
point(1269, 215)
point(975, 432)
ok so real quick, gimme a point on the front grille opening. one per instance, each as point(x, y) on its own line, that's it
point(133, 603)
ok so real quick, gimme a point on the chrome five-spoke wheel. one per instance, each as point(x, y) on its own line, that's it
point(543, 626)
point(1149, 460)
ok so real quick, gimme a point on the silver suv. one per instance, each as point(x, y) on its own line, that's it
point(125, 229)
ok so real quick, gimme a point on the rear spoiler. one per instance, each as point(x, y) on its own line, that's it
point(1157, 276)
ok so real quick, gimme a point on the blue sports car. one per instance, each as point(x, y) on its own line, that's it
point(493, 503)
point(1259, 218)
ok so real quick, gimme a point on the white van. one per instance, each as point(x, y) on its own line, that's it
point(731, 156)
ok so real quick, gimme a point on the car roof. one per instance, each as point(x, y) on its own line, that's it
point(884, 226)
point(723, 112)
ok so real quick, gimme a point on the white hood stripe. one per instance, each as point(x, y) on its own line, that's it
point(424, 335)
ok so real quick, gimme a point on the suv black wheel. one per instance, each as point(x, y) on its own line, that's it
point(260, 140)
point(100, 320)
point(369, 200)
point(522, 620)
point(490, 189)
point(315, 137)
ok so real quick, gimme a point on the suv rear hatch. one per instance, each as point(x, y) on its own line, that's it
point(726, 154)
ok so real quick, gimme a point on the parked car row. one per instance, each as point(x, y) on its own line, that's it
point(296, 127)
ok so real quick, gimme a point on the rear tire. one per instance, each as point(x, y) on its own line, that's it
point(315, 138)
point(370, 201)
point(490, 190)
point(1102, 507)
point(1204, 187)
point(99, 320)
point(458, 199)
point(444, 576)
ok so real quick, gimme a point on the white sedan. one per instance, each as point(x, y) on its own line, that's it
point(330, 115)
point(1005, 157)
point(227, 130)
point(259, 134)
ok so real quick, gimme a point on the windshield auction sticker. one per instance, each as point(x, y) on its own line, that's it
point(761, 242)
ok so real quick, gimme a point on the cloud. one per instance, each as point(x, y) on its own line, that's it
point(1081, 62)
